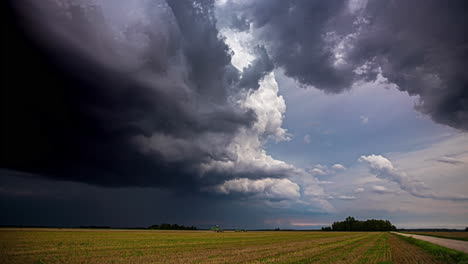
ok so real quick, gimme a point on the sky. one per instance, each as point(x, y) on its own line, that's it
point(240, 113)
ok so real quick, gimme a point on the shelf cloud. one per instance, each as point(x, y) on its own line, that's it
point(152, 99)
point(183, 96)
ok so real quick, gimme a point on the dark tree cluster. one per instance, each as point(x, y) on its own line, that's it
point(351, 224)
point(172, 227)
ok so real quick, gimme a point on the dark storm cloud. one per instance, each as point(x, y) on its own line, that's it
point(143, 92)
point(422, 47)
point(293, 32)
point(239, 22)
point(121, 98)
point(419, 45)
point(252, 74)
point(44, 202)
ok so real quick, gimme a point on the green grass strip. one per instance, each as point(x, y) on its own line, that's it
point(444, 254)
point(439, 236)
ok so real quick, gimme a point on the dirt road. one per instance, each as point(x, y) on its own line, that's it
point(448, 243)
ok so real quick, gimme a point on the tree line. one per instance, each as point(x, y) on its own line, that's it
point(351, 224)
point(165, 226)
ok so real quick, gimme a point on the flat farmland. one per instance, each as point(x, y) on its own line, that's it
point(145, 246)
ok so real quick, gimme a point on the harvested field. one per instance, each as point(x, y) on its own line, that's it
point(404, 252)
point(144, 246)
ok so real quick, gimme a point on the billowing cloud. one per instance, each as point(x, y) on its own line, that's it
point(255, 71)
point(383, 168)
point(346, 197)
point(323, 170)
point(381, 189)
point(416, 61)
point(317, 171)
point(268, 188)
point(359, 190)
point(151, 92)
point(338, 167)
point(331, 44)
point(157, 95)
point(180, 96)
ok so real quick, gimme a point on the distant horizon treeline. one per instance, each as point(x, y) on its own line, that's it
point(351, 224)
point(165, 226)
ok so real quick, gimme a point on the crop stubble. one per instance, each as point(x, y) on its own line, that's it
point(143, 246)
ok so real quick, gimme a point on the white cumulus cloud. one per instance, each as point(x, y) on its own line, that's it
point(268, 188)
point(381, 189)
point(346, 197)
point(338, 167)
point(359, 190)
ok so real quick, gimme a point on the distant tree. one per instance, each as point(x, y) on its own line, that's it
point(351, 224)
point(466, 229)
point(165, 226)
point(326, 228)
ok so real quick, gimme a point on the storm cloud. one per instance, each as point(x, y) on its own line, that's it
point(155, 92)
point(181, 102)
point(151, 98)
point(418, 45)
point(142, 72)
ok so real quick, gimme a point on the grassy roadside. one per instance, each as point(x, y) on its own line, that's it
point(444, 254)
point(439, 236)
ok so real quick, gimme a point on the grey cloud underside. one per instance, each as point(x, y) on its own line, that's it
point(422, 46)
point(252, 74)
point(150, 94)
point(419, 45)
point(293, 32)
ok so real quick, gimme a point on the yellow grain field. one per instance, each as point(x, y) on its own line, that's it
point(147, 246)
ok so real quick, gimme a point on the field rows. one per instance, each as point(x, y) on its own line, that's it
point(141, 246)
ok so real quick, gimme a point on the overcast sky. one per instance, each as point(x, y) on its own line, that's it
point(241, 113)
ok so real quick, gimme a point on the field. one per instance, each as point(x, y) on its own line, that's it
point(450, 235)
point(145, 246)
